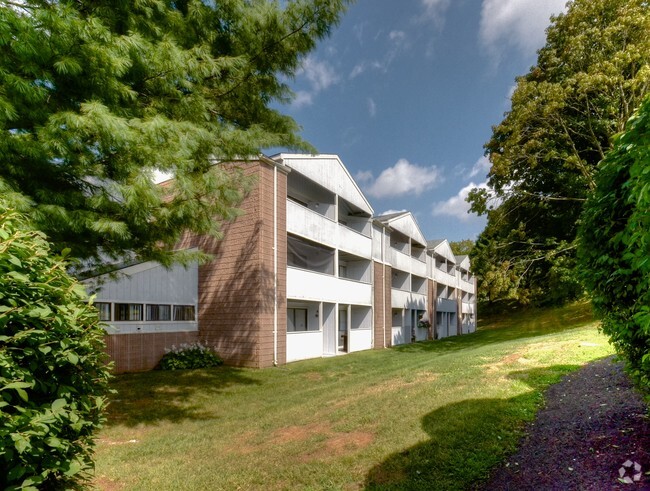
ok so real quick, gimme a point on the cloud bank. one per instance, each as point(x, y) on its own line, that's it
point(401, 179)
point(457, 206)
point(518, 24)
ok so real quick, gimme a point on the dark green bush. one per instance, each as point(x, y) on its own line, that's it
point(192, 355)
point(53, 376)
point(614, 249)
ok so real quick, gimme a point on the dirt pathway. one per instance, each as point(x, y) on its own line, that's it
point(593, 434)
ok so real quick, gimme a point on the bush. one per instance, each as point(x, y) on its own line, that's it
point(614, 249)
point(192, 355)
point(53, 376)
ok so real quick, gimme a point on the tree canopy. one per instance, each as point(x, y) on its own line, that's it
point(614, 244)
point(96, 95)
point(590, 76)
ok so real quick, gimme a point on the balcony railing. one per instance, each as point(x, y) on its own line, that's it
point(308, 285)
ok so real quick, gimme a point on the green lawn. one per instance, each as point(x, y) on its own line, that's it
point(435, 415)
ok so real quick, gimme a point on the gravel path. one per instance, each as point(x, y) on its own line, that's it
point(593, 425)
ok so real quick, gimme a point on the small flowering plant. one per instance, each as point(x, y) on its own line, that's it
point(189, 355)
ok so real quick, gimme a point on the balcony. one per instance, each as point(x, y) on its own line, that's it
point(445, 305)
point(309, 285)
point(468, 308)
point(467, 286)
point(401, 299)
point(444, 278)
point(314, 226)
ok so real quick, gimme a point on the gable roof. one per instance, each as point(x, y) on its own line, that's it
point(463, 261)
point(442, 248)
point(405, 223)
point(329, 172)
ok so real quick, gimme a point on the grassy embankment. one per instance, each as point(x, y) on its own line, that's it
point(435, 415)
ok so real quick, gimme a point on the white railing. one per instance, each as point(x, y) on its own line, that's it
point(445, 305)
point(354, 242)
point(311, 225)
point(467, 286)
point(444, 278)
point(469, 308)
point(308, 285)
point(401, 299)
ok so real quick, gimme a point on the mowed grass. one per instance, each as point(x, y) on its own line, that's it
point(435, 415)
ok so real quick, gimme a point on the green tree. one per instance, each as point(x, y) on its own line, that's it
point(591, 74)
point(614, 244)
point(95, 95)
point(53, 376)
point(461, 247)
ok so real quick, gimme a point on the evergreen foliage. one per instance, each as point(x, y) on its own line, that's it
point(614, 248)
point(53, 376)
point(591, 74)
point(95, 95)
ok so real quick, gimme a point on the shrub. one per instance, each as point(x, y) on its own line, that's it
point(614, 246)
point(189, 355)
point(53, 376)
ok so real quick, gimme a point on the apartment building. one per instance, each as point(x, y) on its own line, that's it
point(307, 271)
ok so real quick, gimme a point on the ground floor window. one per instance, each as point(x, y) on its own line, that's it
point(297, 320)
point(128, 311)
point(104, 309)
point(184, 312)
point(159, 312)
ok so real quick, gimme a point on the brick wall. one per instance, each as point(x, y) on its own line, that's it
point(142, 351)
point(236, 289)
point(382, 302)
point(431, 308)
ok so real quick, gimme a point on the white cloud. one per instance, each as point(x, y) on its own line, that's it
point(434, 10)
point(302, 99)
point(397, 43)
point(390, 212)
point(482, 166)
point(372, 107)
point(319, 74)
point(404, 178)
point(363, 176)
point(456, 206)
point(518, 24)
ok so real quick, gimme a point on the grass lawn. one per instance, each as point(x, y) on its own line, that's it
point(435, 415)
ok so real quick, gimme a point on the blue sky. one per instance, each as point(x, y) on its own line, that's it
point(406, 92)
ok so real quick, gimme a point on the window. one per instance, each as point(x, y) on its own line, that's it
point(183, 312)
point(104, 309)
point(128, 311)
point(159, 312)
point(296, 320)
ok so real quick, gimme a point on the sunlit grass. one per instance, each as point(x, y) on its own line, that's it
point(434, 415)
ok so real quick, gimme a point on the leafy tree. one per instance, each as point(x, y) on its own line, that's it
point(614, 244)
point(461, 247)
point(591, 74)
point(53, 376)
point(95, 95)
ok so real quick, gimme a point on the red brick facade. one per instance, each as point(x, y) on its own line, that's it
point(237, 291)
point(383, 320)
point(142, 351)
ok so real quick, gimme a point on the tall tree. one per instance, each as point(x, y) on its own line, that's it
point(614, 244)
point(95, 95)
point(591, 74)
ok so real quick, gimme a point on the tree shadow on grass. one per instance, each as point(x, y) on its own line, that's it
point(466, 439)
point(172, 396)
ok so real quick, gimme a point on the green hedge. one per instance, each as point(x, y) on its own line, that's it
point(614, 249)
point(53, 376)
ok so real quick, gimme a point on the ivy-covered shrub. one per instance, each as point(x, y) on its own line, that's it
point(614, 250)
point(189, 355)
point(53, 376)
